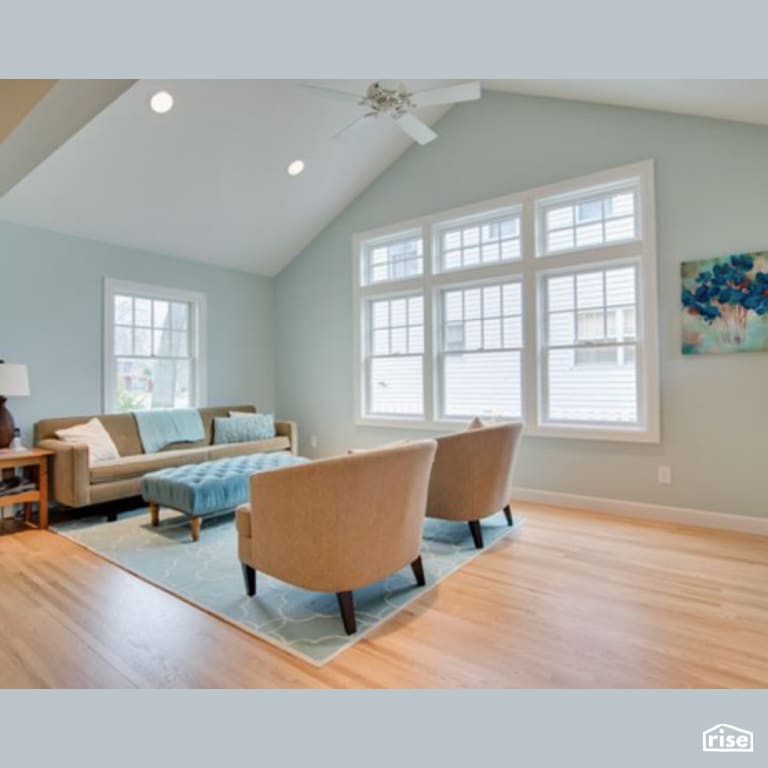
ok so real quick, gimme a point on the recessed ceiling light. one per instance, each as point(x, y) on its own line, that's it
point(296, 167)
point(161, 102)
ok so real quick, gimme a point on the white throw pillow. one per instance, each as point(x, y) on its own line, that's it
point(100, 445)
point(241, 414)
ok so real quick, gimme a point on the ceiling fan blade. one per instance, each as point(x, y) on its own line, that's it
point(349, 126)
point(330, 93)
point(417, 130)
point(448, 95)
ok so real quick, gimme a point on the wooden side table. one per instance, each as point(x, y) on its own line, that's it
point(37, 460)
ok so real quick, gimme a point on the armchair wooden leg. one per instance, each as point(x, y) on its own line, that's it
point(347, 608)
point(154, 514)
point(418, 571)
point(249, 576)
point(508, 515)
point(194, 524)
point(477, 533)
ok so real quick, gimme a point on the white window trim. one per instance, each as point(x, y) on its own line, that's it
point(527, 269)
point(198, 322)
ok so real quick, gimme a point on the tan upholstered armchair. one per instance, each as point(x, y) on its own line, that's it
point(472, 476)
point(338, 524)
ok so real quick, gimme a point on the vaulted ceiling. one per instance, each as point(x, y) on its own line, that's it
point(208, 180)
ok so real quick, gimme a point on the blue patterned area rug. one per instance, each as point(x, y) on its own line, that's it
point(304, 623)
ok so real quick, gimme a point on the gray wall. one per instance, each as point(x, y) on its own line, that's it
point(51, 318)
point(712, 199)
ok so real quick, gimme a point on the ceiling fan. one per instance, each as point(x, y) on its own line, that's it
point(399, 104)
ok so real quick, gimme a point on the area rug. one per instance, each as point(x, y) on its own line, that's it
point(306, 624)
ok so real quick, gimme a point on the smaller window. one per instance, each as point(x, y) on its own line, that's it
point(154, 337)
point(588, 220)
point(396, 258)
point(479, 243)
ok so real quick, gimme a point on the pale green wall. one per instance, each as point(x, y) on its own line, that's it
point(51, 308)
point(712, 198)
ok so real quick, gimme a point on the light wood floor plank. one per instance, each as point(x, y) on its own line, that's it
point(575, 600)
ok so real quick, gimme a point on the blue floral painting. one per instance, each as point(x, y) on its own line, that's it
point(725, 304)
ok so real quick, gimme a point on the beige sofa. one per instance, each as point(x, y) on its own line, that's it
point(75, 484)
point(335, 525)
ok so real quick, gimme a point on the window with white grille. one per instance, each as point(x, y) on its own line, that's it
point(539, 306)
point(396, 356)
point(153, 342)
point(490, 240)
point(586, 222)
point(482, 338)
point(395, 258)
point(590, 351)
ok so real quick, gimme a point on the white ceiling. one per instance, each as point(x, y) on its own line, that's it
point(208, 180)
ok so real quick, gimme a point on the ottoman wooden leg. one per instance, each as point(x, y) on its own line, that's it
point(194, 524)
point(154, 514)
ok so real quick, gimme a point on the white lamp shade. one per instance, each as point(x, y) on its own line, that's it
point(14, 380)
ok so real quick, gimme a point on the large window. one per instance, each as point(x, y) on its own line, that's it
point(153, 338)
point(540, 307)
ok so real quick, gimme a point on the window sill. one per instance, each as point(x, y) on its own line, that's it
point(582, 432)
point(422, 425)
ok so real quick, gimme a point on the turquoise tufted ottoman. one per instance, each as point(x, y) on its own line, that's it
point(209, 488)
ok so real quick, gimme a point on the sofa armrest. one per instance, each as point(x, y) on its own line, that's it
point(291, 431)
point(70, 479)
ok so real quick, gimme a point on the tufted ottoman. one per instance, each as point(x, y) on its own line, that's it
point(209, 488)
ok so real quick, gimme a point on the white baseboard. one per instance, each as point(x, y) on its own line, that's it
point(681, 515)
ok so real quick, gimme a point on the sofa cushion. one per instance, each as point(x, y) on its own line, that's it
point(137, 466)
point(243, 449)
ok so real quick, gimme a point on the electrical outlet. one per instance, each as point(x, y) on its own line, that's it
point(665, 475)
point(313, 441)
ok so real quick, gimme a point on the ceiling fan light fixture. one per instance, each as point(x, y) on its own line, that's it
point(296, 167)
point(161, 102)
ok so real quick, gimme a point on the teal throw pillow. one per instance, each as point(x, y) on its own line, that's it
point(244, 429)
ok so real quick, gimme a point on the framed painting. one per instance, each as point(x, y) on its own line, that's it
point(725, 304)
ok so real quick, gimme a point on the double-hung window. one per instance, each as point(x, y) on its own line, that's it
point(539, 306)
point(153, 347)
point(590, 346)
point(391, 327)
point(396, 360)
point(480, 346)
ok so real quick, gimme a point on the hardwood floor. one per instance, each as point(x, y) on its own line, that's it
point(575, 600)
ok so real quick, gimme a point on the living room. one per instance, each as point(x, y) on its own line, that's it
point(548, 262)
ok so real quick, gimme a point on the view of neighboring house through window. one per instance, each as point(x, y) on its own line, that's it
point(540, 306)
point(481, 343)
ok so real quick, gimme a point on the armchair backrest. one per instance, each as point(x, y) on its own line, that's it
point(338, 524)
point(472, 474)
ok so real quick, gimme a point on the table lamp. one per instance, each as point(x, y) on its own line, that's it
point(14, 382)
